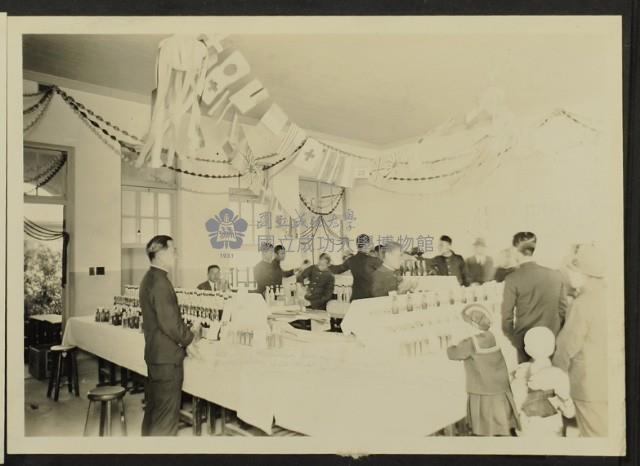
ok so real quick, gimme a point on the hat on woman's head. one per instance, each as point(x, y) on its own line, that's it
point(589, 260)
point(478, 315)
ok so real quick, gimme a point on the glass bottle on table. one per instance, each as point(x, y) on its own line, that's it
point(409, 301)
point(395, 307)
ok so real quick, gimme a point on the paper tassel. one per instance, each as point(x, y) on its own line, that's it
point(175, 122)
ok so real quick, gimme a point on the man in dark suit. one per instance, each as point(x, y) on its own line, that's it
point(534, 296)
point(362, 265)
point(166, 340)
point(479, 266)
point(386, 277)
point(450, 263)
point(214, 282)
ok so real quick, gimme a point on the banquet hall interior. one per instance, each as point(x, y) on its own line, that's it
point(430, 141)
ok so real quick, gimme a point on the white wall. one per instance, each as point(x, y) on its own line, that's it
point(93, 215)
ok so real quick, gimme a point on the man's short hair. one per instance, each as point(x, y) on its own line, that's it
point(390, 247)
point(264, 247)
point(446, 239)
point(278, 248)
point(377, 248)
point(157, 243)
point(212, 267)
point(525, 242)
point(363, 240)
point(326, 257)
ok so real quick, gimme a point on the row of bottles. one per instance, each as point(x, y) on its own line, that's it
point(282, 295)
point(343, 293)
point(418, 268)
point(124, 313)
point(427, 345)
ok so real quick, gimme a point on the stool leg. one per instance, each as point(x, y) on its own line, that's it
point(76, 379)
point(86, 421)
point(211, 418)
point(69, 365)
point(52, 377)
point(123, 421)
point(103, 410)
point(56, 391)
point(194, 415)
point(108, 418)
point(223, 417)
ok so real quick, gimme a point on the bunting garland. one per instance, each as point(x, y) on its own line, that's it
point(194, 79)
point(322, 214)
point(47, 175)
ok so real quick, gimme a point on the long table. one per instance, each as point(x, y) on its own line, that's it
point(317, 383)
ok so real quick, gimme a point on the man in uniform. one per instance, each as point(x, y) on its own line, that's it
point(166, 341)
point(268, 272)
point(450, 263)
point(362, 265)
point(262, 270)
point(321, 283)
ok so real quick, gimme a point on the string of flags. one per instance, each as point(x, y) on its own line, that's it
point(198, 77)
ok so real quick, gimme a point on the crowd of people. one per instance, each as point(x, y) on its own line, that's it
point(555, 319)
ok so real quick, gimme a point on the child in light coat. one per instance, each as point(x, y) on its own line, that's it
point(541, 390)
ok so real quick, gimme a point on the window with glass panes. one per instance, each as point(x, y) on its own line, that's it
point(146, 212)
point(250, 212)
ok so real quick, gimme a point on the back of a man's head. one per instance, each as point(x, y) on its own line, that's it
point(363, 242)
point(156, 244)
point(525, 242)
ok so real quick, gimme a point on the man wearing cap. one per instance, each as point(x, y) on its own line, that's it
point(581, 346)
point(533, 296)
point(362, 265)
point(450, 263)
point(479, 266)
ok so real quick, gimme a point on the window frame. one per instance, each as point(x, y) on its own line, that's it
point(139, 217)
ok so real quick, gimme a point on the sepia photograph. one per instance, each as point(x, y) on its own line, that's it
point(316, 235)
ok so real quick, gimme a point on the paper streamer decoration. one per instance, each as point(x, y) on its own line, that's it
point(175, 123)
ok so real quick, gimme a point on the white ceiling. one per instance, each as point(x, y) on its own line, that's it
point(379, 89)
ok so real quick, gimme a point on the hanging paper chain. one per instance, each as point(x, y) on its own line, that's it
point(50, 173)
point(313, 211)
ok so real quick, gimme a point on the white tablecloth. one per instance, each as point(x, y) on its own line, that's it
point(319, 384)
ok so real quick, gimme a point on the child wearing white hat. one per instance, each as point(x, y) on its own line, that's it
point(491, 409)
point(541, 390)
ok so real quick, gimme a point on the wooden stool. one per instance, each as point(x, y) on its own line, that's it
point(64, 359)
point(105, 395)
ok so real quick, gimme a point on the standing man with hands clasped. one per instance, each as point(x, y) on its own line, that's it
point(167, 341)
